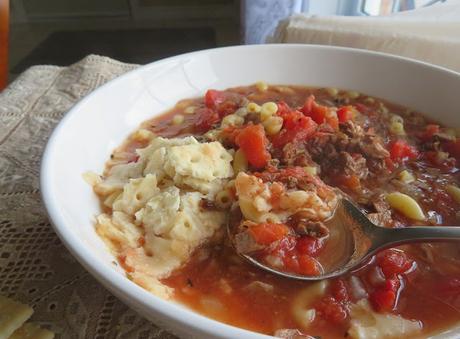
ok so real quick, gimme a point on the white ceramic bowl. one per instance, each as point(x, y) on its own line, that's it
point(86, 136)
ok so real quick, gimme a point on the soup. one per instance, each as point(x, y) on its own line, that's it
point(293, 151)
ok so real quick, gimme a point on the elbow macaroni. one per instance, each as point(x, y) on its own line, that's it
point(454, 192)
point(405, 205)
point(302, 307)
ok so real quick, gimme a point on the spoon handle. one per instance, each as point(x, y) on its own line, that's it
point(395, 236)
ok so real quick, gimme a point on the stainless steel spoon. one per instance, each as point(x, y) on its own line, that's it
point(354, 238)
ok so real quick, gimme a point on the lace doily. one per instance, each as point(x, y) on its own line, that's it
point(35, 268)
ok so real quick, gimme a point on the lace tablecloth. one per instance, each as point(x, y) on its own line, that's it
point(35, 268)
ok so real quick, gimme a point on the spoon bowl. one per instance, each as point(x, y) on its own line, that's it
point(354, 239)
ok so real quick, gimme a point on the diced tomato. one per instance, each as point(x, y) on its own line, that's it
point(291, 119)
point(332, 120)
point(383, 300)
point(124, 264)
point(253, 142)
point(332, 310)
point(319, 114)
point(301, 264)
point(453, 148)
point(267, 233)
point(206, 119)
point(226, 108)
point(283, 109)
point(339, 290)
point(308, 265)
point(308, 245)
point(213, 97)
point(401, 150)
point(394, 262)
point(308, 105)
point(430, 130)
point(285, 246)
point(300, 131)
point(345, 113)
point(224, 103)
point(276, 190)
point(350, 181)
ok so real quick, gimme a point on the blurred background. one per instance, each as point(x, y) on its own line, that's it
point(60, 32)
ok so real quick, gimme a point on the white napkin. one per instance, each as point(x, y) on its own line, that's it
point(430, 34)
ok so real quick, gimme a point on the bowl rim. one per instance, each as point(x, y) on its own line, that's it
point(126, 290)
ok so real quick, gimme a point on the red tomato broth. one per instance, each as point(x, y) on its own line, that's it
point(419, 297)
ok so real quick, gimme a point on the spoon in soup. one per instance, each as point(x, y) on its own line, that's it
point(354, 239)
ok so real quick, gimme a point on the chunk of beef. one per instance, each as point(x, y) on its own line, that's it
point(380, 204)
point(296, 154)
point(380, 219)
point(382, 215)
point(303, 225)
point(353, 164)
point(372, 146)
point(352, 130)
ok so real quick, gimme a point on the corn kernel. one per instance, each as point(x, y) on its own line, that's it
point(332, 91)
point(178, 119)
point(262, 86)
point(267, 110)
point(252, 107)
point(406, 177)
point(273, 125)
point(353, 94)
point(190, 110)
point(312, 170)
